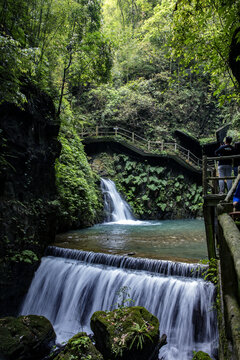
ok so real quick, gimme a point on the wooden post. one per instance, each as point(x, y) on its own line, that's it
point(188, 155)
point(162, 146)
point(175, 147)
point(149, 145)
point(116, 129)
point(204, 175)
point(208, 213)
point(97, 130)
point(133, 137)
point(215, 182)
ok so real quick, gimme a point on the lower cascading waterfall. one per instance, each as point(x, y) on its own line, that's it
point(69, 291)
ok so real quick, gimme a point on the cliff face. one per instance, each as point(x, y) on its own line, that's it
point(28, 149)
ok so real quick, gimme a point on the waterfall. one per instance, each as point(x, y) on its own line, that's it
point(116, 209)
point(68, 291)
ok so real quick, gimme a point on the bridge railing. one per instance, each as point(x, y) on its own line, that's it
point(144, 144)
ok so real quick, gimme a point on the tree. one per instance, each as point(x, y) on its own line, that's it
point(51, 42)
point(206, 34)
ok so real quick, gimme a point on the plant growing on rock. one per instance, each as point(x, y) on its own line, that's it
point(139, 333)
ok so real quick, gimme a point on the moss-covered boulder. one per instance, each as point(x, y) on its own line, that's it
point(200, 355)
point(79, 347)
point(130, 333)
point(25, 337)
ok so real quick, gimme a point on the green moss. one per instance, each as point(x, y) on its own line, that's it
point(79, 197)
point(125, 332)
point(200, 355)
point(24, 335)
point(79, 347)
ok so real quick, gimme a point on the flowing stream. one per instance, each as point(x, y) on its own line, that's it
point(70, 285)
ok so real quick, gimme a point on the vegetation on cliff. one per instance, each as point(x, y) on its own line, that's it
point(79, 198)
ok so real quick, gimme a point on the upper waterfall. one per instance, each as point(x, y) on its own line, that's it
point(116, 209)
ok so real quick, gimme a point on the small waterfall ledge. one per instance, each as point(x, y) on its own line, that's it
point(68, 291)
point(164, 267)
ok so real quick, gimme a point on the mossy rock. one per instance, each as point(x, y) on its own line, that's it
point(200, 355)
point(130, 333)
point(25, 337)
point(79, 347)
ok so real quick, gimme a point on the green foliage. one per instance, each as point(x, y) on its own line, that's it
point(139, 333)
point(211, 274)
point(80, 201)
point(79, 347)
point(200, 355)
point(202, 33)
point(153, 92)
point(153, 192)
point(123, 298)
point(54, 44)
point(154, 108)
point(26, 256)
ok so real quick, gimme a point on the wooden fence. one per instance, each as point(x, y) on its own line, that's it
point(149, 146)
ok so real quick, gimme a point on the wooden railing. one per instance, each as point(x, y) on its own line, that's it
point(213, 201)
point(209, 173)
point(157, 147)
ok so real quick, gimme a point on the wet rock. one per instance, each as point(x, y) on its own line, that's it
point(130, 333)
point(26, 337)
point(79, 347)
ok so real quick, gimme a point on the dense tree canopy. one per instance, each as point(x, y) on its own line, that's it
point(202, 35)
point(164, 62)
point(51, 43)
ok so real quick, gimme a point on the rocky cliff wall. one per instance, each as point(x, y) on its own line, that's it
point(28, 149)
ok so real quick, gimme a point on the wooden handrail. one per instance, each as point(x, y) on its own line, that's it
point(224, 157)
point(148, 145)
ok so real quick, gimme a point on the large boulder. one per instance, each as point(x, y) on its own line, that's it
point(25, 338)
point(79, 347)
point(130, 333)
